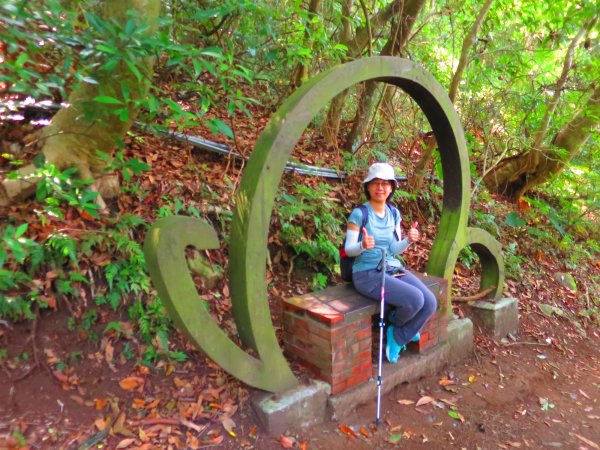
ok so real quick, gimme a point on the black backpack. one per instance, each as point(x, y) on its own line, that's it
point(346, 262)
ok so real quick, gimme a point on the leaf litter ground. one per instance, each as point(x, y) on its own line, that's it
point(538, 390)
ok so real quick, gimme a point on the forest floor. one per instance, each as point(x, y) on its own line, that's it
point(62, 388)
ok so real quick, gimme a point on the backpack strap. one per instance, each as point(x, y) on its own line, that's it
point(396, 215)
point(365, 213)
point(365, 219)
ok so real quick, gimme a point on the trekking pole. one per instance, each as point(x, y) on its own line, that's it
point(381, 329)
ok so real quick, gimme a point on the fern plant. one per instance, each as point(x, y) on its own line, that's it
point(311, 224)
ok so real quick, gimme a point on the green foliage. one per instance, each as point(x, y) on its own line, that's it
point(154, 327)
point(513, 220)
point(319, 282)
point(49, 49)
point(512, 261)
point(16, 252)
point(485, 221)
point(65, 257)
point(58, 189)
point(128, 167)
point(86, 324)
point(467, 256)
point(311, 224)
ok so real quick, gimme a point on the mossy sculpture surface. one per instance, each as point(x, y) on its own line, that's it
point(167, 239)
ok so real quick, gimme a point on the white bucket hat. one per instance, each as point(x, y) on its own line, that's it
point(383, 171)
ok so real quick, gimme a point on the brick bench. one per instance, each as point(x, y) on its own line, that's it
point(331, 332)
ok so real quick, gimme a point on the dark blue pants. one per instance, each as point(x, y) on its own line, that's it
point(413, 301)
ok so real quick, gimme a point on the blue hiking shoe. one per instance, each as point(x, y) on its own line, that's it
point(392, 320)
point(392, 348)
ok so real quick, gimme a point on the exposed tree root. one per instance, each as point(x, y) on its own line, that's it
point(474, 297)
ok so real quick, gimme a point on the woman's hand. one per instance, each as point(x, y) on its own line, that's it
point(368, 241)
point(414, 235)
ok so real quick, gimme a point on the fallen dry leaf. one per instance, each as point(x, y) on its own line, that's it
point(80, 401)
point(405, 402)
point(192, 425)
point(125, 443)
point(445, 382)
point(448, 402)
point(586, 441)
point(424, 400)
point(179, 383)
point(100, 424)
point(109, 352)
point(216, 440)
point(286, 442)
point(229, 425)
point(130, 383)
point(252, 432)
point(584, 394)
point(153, 404)
point(120, 428)
point(456, 415)
point(347, 430)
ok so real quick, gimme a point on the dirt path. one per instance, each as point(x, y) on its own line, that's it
point(511, 396)
point(516, 394)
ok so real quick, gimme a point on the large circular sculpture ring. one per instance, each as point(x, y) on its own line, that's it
point(262, 175)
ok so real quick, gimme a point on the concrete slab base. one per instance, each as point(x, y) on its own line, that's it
point(498, 318)
point(295, 408)
point(410, 367)
point(460, 340)
point(309, 404)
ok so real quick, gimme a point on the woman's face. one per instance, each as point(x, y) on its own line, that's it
point(379, 190)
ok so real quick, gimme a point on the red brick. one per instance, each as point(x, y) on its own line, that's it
point(287, 320)
point(326, 315)
point(362, 334)
point(365, 367)
point(299, 322)
point(338, 378)
point(339, 367)
point(296, 351)
point(340, 355)
point(357, 379)
point(340, 344)
point(339, 387)
point(299, 332)
point(360, 358)
point(294, 308)
point(365, 344)
point(319, 329)
point(320, 342)
point(345, 331)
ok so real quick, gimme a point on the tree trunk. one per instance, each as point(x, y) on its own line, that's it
point(516, 175)
point(428, 146)
point(356, 44)
point(468, 43)
point(430, 143)
point(399, 34)
point(77, 132)
point(331, 125)
point(542, 131)
point(300, 72)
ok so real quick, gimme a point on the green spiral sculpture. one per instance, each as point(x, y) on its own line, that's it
point(167, 239)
